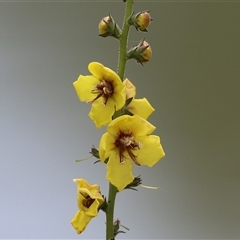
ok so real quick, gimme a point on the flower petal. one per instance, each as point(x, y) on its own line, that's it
point(84, 85)
point(97, 70)
point(119, 95)
point(101, 114)
point(150, 151)
point(85, 189)
point(132, 124)
point(120, 175)
point(92, 211)
point(130, 89)
point(102, 147)
point(101, 72)
point(140, 107)
point(80, 221)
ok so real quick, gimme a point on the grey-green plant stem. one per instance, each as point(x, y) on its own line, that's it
point(122, 59)
point(112, 192)
point(122, 56)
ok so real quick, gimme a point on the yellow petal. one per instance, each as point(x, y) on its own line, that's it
point(102, 147)
point(140, 107)
point(80, 221)
point(131, 124)
point(119, 95)
point(92, 211)
point(150, 151)
point(97, 69)
point(84, 85)
point(120, 175)
point(101, 72)
point(130, 89)
point(101, 114)
point(85, 189)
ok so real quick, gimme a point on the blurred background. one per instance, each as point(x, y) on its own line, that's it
point(193, 82)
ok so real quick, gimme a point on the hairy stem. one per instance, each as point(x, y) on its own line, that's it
point(122, 59)
point(112, 192)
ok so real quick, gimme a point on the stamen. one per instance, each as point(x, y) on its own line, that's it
point(87, 202)
point(126, 142)
point(103, 89)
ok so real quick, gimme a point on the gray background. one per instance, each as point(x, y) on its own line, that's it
point(192, 81)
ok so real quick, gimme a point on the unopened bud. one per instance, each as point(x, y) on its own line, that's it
point(147, 53)
point(108, 27)
point(103, 27)
point(141, 52)
point(140, 20)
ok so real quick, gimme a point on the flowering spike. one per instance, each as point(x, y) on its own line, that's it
point(108, 27)
point(141, 52)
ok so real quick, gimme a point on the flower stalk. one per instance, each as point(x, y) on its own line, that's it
point(112, 192)
point(127, 140)
point(122, 59)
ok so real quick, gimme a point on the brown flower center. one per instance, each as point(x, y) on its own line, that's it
point(87, 201)
point(103, 89)
point(125, 143)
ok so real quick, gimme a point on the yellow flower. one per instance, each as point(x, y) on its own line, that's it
point(89, 199)
point(104, 89)
point(139, 107)
point(127, 140)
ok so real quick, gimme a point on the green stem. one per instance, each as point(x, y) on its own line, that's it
point(122, 58)
point(112, 192)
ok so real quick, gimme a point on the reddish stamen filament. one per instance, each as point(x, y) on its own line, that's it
point(104, 89)
point(87, 201)
point(126, 142)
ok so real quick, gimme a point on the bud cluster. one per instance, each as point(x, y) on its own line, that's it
point(141, 52)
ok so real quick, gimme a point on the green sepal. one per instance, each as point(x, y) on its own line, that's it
point(95, 152)
point(135, 183)
point(104, 205)
point(128, 101)
point(136, 52)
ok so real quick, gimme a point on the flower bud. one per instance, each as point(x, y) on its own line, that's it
point(140, 20)
point(147, 53)
point(103, 27)
point(141, 52)
point(108, 27)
